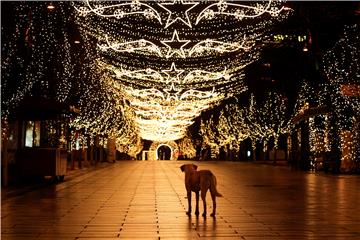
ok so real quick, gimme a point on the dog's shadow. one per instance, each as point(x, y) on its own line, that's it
point(202, 224)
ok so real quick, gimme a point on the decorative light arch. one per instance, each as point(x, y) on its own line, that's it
point(170, 73)
point(156, 145)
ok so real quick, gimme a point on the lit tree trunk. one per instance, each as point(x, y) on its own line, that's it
point(5, 159)
point(253, 148)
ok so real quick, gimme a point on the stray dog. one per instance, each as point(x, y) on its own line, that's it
point(200, 181)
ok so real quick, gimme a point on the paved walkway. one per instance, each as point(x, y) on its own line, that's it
point(146, 200)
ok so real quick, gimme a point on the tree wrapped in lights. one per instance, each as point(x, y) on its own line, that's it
point(268, 120)
point(100, 114)
point(342, 68)
point(126, 135)
point(36, 54)
point(306, 98)
point(232, 126)
point(224, 131)
point(330, 131)
point(101, 107)
point(236, 123)
point(40, 59)
point(340, 63)
point(186, 146)
point(209, 135)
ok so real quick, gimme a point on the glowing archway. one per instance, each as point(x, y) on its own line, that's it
point(171, 144)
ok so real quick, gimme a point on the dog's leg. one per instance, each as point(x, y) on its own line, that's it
point(213, 197)
point(203, 197)
point(197, 204)
point(189, 203)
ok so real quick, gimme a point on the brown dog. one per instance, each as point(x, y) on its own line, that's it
point(200, 181)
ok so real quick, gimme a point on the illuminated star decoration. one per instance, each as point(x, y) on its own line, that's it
point(172, 93)
point(173, 73)
point(175, 45)
point(178, 11)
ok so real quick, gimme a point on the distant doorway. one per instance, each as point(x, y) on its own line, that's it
point(164, 152)
point(169, 151)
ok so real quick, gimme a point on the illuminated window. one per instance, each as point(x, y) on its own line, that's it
point(29, 134)
point(32, 134)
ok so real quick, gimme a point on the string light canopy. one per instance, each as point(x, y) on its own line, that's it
point(171, 60)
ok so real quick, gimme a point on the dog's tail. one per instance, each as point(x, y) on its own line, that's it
point(213, 189)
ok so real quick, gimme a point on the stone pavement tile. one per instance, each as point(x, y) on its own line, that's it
point(254, 232)
point(169, 221)
point(61, 231)
point(75, 219)
point(178, 235)
point(172, 237)
point(17, 236)
point(58, 235)
point(139, 227)
point(101, 238)
point(301, 236)
point(98, 234)
point(270, 237)
point(180, 214)
point(249, 226)
point(140, 219)
point(139, 235)
point(35, 229)
point(181, 226)
point(351, 226)
point(238, 219)
point(221, 237)
point(103, 226)
point(106, 221)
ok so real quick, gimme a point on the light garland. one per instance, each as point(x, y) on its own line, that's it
point(239, 11)
point(173, 67)
point(209, 45)
point(118, 10)
point(173, 75)
point(138, 45)
point(175, 47)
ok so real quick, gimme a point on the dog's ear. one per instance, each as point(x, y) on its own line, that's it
point(182, 168)
point(195, 167)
